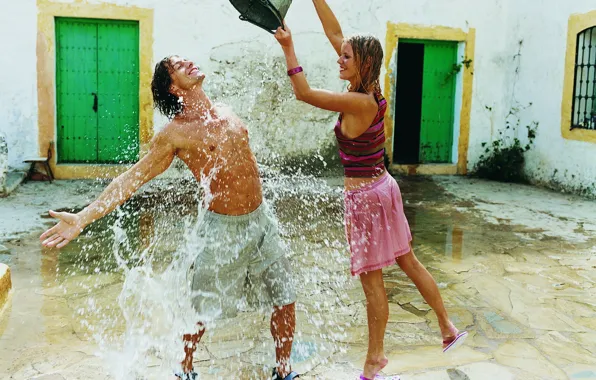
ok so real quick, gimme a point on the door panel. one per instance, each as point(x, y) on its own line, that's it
point(118, 66)
point(438, 99)
point(76, 82)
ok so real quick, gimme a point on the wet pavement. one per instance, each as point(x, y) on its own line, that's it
point(516, 266)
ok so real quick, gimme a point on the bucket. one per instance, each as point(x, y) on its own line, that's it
point(266, 14)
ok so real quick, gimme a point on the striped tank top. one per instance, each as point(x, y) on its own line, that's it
point(364, 156)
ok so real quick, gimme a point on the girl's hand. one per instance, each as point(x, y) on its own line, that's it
point(284, 37)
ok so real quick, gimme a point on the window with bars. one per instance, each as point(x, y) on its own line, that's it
point(584, 94)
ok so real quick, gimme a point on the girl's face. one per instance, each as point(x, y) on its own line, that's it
point(347, 65)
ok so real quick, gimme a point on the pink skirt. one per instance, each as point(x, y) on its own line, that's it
point(376, 226)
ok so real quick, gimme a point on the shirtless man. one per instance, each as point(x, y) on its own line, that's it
point(243, 242)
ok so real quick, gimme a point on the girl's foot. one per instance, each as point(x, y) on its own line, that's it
point(448, 331)
point(453, 338)
point(374, 366)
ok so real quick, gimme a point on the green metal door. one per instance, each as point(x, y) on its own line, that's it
point(438, 101)
point(97, 78)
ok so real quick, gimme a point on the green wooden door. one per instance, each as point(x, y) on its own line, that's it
point(76, 79)
point(97, 78)
point(438, 101)
point(118, 68)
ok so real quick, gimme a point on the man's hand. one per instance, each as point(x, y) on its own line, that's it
point(64, 232)
point(284, 37)
point(156, 161)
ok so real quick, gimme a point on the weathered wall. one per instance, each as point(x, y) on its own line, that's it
point(245, 67)
point(18, 79)
point(561, 163)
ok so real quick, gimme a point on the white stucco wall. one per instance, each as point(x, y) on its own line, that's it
point(245, 68)
point(18, 80)
point(555, 161)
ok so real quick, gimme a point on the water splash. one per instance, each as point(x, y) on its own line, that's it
point(155, 301)
point(154, 308)
point(144, 330)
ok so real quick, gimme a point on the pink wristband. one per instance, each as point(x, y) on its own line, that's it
point(294, 71)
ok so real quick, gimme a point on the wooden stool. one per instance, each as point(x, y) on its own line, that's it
point(45, 161)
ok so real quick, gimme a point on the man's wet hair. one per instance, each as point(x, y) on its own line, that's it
point(163, 99)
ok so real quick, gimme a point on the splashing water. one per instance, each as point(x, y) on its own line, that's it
point(154, 307)
point(157, 309)
point(144, 330)
point(155, 301)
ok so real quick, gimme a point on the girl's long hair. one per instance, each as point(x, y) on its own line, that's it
point(368, 55)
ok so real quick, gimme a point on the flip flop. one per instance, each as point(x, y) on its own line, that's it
point(456, 342)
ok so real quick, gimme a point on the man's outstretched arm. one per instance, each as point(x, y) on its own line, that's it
point(156, 161)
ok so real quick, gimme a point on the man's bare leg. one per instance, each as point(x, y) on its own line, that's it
point(283, 324)
point(190, 346)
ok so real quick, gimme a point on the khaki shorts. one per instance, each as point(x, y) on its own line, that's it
point(243, 263)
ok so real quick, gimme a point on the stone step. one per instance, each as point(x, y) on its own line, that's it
point(5, 284)
point(12, 181)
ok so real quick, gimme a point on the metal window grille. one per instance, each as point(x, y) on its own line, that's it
point(584, 93)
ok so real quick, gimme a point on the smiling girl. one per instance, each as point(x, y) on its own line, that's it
point(377, 230)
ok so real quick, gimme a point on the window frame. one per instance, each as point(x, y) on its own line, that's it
point(590, 66)
point(577, 24)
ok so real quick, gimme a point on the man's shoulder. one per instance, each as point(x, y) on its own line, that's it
point(168, 133)
point(173, 128)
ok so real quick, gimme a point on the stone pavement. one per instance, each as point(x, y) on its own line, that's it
point(516, 266)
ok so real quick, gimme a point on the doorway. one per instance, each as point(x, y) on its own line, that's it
point(425, 101)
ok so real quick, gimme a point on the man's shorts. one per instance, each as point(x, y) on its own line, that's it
point(242, 263)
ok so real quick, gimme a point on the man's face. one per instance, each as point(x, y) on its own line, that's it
point(185, 75)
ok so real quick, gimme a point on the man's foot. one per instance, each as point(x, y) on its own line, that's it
point(374, 366)
point(192, 375)
point(290, 376)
